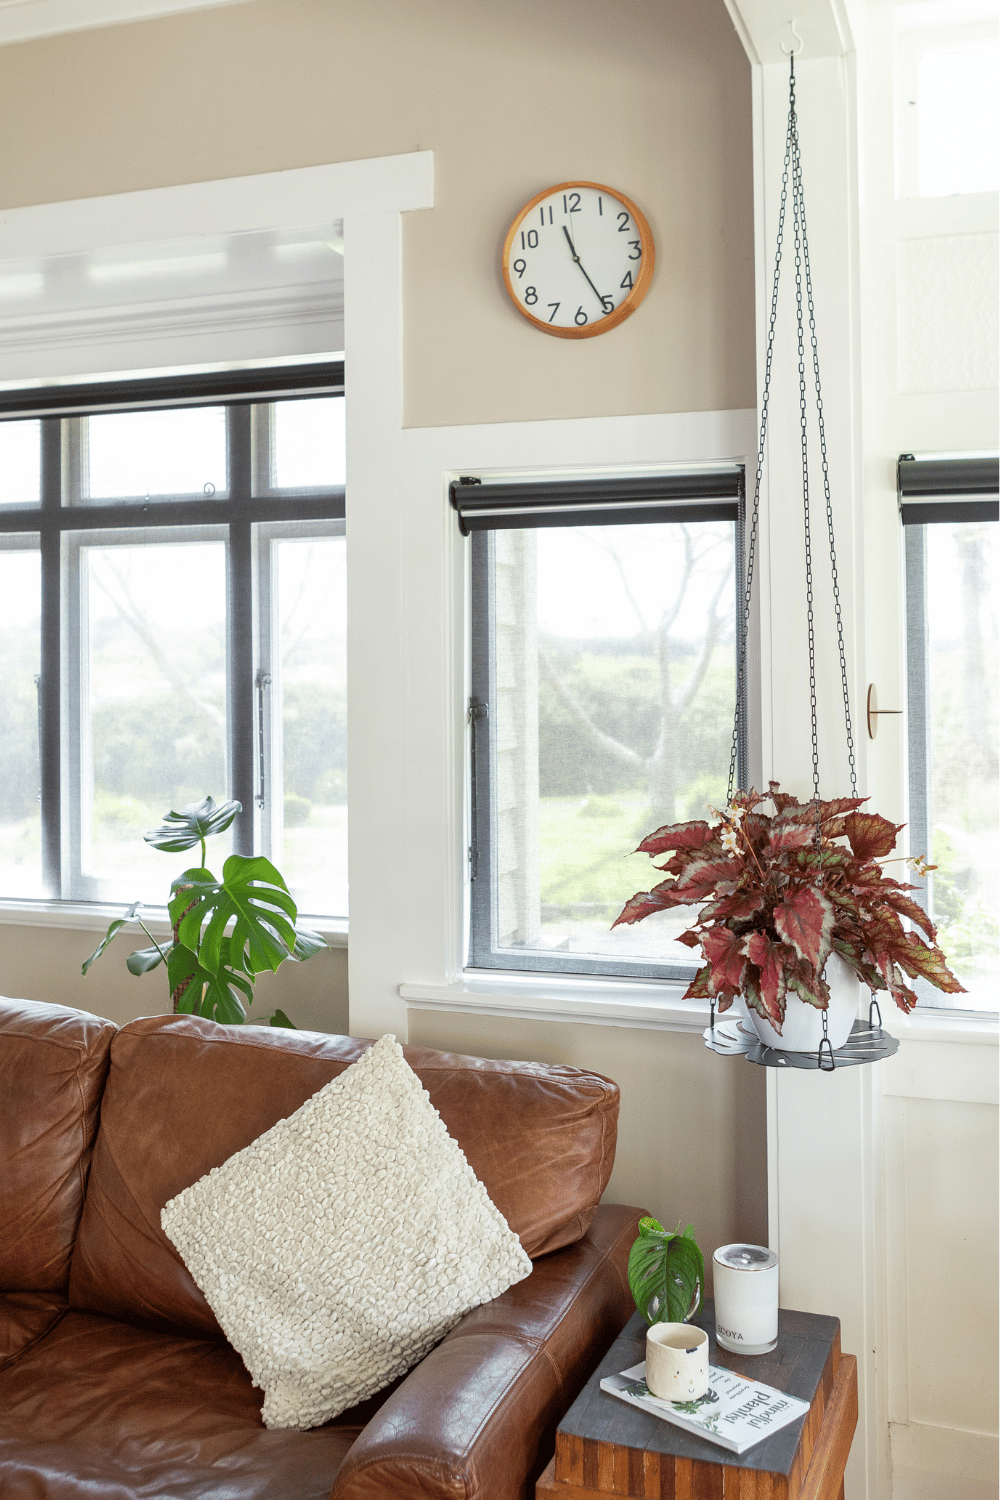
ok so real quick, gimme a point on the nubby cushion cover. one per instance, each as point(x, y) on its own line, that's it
point(342, 1245)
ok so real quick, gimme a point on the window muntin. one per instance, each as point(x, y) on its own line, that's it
point(606, 655)
point(152, 610)
point(952, 601)
point(20, 664)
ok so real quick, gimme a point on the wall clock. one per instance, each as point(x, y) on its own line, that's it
point(578, 259)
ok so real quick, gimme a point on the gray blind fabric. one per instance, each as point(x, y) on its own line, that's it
point(948, 489)
point(713, 494)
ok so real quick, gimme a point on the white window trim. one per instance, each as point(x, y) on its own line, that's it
point(367, 197)
point(24, 20)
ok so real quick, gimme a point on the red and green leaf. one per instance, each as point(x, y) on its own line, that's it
point(806, 921)
point(870, 835)
point(699, 988)
point(811, 987)
point(723, 950)
point(643, 903)
point(700, 879)
point(922, 961)
point(791, 836)
point(677, 836)
point(769, 959)
point(907, 907)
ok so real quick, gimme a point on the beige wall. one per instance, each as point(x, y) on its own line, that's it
point(692, 1126)
point(652, 96)
point(43, 963)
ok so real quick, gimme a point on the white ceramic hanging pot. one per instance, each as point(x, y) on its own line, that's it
point(802, 1028)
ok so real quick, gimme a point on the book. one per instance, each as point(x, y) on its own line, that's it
point(734, 1412)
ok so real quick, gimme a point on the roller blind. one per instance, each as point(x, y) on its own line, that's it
point(704, 494)
point(962, 488)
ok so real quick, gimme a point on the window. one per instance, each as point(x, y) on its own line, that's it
point(603, 690)
point(947, 109)
point(950, 529)
point(173, 624)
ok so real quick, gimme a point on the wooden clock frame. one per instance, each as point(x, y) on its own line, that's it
point(625, 308)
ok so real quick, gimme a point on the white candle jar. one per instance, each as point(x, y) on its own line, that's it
point(746, 1298)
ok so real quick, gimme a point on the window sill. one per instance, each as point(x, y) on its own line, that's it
point(944, 1026)
point(643, 1004)
point(95, 916)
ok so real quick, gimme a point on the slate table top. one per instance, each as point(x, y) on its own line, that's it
point(806, 1355)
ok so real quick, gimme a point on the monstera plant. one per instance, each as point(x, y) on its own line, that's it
point(225, 932)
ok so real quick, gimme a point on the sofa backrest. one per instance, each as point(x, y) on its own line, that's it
point(53, 1063)
point(184, 1094)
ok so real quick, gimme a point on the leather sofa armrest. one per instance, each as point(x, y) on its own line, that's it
point(476, 1419)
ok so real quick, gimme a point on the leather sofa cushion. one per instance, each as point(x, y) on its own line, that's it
point(184, 1094)
point(26, 1317)
point(53, 1063)
point(102, 1409)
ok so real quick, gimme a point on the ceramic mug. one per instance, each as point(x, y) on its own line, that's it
point(676, 1361)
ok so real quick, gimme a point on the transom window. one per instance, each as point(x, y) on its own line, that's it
point(173, 624)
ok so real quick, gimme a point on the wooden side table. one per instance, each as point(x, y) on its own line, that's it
point(606, 1447)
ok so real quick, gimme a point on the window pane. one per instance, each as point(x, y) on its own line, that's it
point(961, 715)
point(20, 663)
point(20, 463)
point(611, 713)
point(958, 119)
point(308, 443)
point(155, 706)
point(312, 642)
point(155, 453)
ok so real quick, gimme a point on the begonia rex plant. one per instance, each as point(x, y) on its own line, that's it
point(784, 890)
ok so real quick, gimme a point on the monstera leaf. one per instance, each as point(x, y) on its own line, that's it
point(251, 894)
point(219, 995)
point(192, 825)
point(666, 1273)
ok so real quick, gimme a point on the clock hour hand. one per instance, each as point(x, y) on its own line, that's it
point(593, 288)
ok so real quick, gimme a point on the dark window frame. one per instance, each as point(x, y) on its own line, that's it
point(236, 513)
point(700, 494)
point(933, 490)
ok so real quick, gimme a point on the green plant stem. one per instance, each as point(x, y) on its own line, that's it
point(151, 938)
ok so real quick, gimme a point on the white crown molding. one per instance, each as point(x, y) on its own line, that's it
point(138, 321)
point(27, 20)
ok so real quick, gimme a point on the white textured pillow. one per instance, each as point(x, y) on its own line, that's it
point(338, 1248)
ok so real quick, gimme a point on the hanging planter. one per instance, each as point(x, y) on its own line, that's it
point(786, 894)
point(797, 905)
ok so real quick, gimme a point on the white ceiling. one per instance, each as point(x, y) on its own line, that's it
point(22, 20)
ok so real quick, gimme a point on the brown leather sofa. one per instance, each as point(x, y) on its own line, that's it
point(115, 1379)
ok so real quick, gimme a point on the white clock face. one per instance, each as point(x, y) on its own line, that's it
point(578, 260)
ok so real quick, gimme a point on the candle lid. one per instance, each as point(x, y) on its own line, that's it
point(746, 1257)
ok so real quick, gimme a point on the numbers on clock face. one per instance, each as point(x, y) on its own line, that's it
point(575, 258)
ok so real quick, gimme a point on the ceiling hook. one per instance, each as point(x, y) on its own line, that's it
point(793, 51)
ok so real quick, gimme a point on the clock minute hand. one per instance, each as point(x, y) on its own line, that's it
point(593, 288)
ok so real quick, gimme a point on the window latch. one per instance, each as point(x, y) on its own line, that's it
point(263, 682)
point(478, 710)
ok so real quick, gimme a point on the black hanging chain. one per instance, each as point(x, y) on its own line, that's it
point(804, 445)
point(803, 275)
point(821, 425)
point(741, 664)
